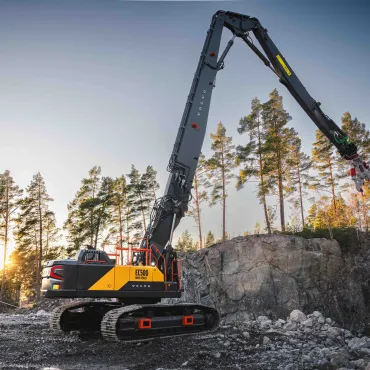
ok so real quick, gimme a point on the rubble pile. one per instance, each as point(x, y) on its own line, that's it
point(311, 341)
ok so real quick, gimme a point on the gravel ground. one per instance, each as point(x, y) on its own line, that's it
point(300, 342)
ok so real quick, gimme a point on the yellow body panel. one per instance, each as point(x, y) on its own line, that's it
point(106, 282)
point(121, 276)
point(157, 275)
point(118, 276)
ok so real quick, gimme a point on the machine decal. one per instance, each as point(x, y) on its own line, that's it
point(141, 274)
point(286, 69)
point(201, 103)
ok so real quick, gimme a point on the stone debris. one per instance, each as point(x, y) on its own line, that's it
point(297, 316)
point(299, 342)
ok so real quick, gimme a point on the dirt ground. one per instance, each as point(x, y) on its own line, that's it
point(27, 343)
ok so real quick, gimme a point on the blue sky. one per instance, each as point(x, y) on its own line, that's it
point(86, 83)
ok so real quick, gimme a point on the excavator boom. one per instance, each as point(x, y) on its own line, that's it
point(169, 209)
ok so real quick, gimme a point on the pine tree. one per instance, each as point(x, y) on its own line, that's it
point(300, 178)
point(9, 202)
point(257, 228)
point(277, 148)
point(185, 243)
point(251, 156)
point(200, 195)
point(35, 231)
point(150, 181)
point(118, 210)
point(357, 133)
point(333, 216)
point(311, 216)
point(103, 207)
point(220, 167)
point(210, 239)
point(325, 158)
point(88, 213)
point(138, 200)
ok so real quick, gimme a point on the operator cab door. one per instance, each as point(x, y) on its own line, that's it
point(93, 271)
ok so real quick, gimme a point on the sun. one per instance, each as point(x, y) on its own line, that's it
point(9, 251)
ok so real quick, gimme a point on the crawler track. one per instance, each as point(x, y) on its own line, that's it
point(118, 323)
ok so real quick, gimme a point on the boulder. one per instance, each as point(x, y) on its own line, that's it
point(297, 316)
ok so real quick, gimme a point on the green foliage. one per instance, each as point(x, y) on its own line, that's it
point(10, 201)
point(36, 237)
point(210, 239)
point(358, 134)
point(141, 196)
point(150, 181)
point(200, 194)
point(299, 179)
point(185, 243)
point(251, 157)
point(325, 160)
point(220, 169)
point(119, 212)
point(277, 148)
point(257, 228)
point(348, 238)
point(88, 213)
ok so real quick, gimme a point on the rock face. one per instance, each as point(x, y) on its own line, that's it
point(247, 277)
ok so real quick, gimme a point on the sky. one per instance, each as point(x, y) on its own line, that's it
point(86, 83)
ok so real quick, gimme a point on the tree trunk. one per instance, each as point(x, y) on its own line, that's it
point(268, 226)
point(281, 194)
point(223, 199)
point(46, 247)
point(5, 240)
point(364, 211)
point(91, 227)
point(332, 184)
point(40, 249)
point(36, 264)
point(97, 233)
point(128, 237)
point(197, 208)
point(300, 195)
point(120, 233)
point(142, 210)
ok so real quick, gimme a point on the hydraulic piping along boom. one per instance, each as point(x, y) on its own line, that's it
point(168, 210)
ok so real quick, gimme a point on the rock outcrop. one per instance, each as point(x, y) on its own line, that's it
point(272, 275)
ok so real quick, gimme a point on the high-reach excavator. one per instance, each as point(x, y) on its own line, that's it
point(138, 287)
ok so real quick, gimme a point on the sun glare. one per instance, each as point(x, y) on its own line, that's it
point(8, 252)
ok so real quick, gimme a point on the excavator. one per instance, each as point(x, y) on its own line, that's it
point(125, 302)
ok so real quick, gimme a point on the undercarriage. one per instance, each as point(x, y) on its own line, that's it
point(115, 321)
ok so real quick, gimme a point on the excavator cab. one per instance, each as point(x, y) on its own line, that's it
point(93, 256)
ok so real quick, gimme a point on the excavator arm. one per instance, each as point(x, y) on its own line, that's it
point(168, 210)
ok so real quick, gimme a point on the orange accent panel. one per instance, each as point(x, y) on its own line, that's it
point(144, 323)
point(187, 320)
